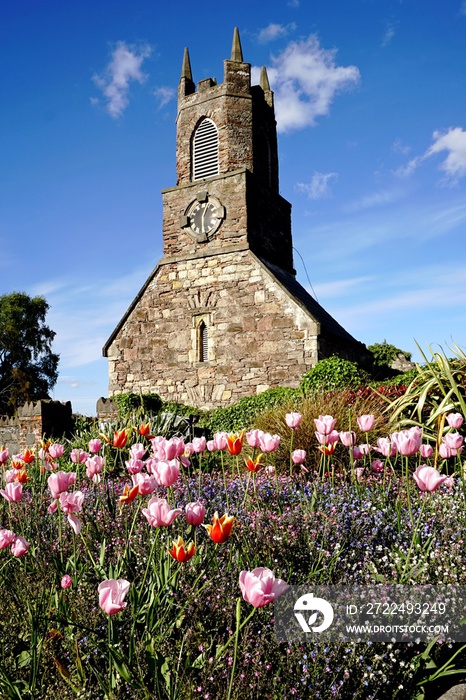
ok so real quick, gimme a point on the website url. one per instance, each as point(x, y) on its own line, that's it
point(397, 629)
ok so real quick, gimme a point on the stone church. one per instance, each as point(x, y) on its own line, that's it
point(222, 315)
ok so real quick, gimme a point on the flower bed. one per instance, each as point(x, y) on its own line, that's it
point(129, 571)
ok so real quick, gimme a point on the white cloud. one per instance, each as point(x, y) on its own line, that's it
point(306, 79)
point(319, 186)
point(123, 68)
point(275, 31)
point(341, 287)
point(376, 199)
point(164, 95)
point(399, 147)
point(453, 141)
point(454, 166)
point(388, 36)
point(84, 315)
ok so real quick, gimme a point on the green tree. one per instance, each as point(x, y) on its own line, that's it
point(28, 367)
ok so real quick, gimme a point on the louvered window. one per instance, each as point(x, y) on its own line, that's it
point(203, 343)
point(205, 155)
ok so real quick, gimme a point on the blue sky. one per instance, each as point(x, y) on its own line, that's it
point(371, 109)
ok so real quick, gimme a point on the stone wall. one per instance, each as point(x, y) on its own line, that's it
point(51, 419)
point(258, 336)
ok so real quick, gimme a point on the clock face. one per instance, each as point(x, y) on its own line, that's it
point(203, 217)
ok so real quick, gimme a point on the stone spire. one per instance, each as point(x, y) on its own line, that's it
point(186, 86)
point(236, 50)
point(264, 80)
point(186, 68)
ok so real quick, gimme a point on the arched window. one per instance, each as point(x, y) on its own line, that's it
point(203, 342)
point(205, 150)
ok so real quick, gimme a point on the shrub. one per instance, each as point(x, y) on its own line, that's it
point(333, 373)
point(242, 414)
point(137, 404)
point(385, 353)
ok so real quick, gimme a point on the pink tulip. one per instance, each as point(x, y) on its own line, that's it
point(408, 442)
point(167, 449)
point(428, 478)
point(66, 581)
point(455, 420)
point(53, 507)
point(56, 451)
point(71, 502)
point(95, 445)
point(218, 442)
point(199, 444)
point(268, 443)
point(13, 492)
point(7, 537)
point(357, 452)
point(348, 438)
point(20, 546)
point(377, 466)
point(78, 456)
point(386, 447)
point(10, 475)
point(166, 473)
point(60, 482)
point(94, 466)
point(134, 466)
point(298, 456)
point(137, 451)
point(366, 423)
point(325, 424)
point(453, 440)
point(253, 437)
point(329, 438)
point(74, 523)
point(293, 420)
point(425, 451)
point(359, 472)
point(112, 595)
point(146, 484)
point(446, 452)
point(194, 513)
point(158, 512)
point(4, 455)
point(260, 587)
point(365, 449)
point(270, 469)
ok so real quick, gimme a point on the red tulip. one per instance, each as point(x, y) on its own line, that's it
point(235, 443)
point(220, 530)
point(180, 552)
point(253, 465)
point(129, 494)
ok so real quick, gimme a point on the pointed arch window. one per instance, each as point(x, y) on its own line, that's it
point(205, 150)
point(203, 342)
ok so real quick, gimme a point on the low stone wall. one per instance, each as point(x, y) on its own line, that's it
point(52, 419)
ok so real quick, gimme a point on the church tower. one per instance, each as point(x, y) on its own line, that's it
point(227, 168)
point(222, 315)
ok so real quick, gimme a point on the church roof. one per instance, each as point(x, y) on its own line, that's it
point(329, 326)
